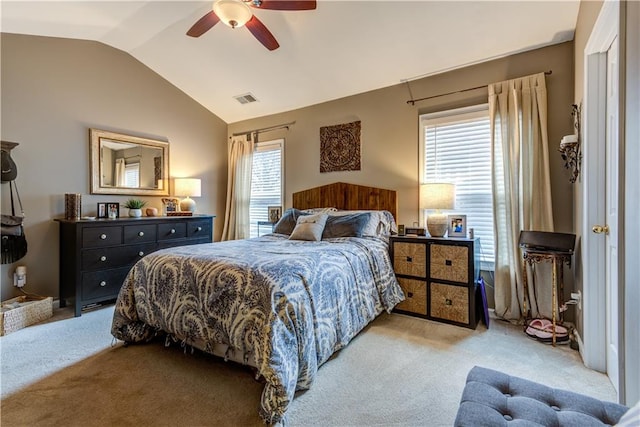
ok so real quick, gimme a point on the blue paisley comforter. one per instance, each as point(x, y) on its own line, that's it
point(290, 304)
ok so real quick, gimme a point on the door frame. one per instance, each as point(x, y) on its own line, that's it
point(605, 30)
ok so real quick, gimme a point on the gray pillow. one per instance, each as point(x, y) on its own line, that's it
point(309, 227)
point(288, 222)
point(353, 225)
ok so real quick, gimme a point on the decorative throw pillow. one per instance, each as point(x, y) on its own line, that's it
point(288, 221)
point(353, 225)
point(309, 227)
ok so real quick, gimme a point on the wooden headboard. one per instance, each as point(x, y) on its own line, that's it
point(341, 195)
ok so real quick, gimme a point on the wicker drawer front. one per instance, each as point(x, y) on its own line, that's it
point(410, 259)
point(415, 292)
point(449, 302)
point(449, 262)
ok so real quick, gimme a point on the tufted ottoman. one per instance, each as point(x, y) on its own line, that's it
point(492, 398)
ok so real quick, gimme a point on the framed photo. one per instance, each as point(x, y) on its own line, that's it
point(274, 213)
point(113, 210)
point(170, 205)
point(457, 226)
point(102, 210)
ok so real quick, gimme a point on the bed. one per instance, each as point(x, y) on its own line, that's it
point(281, 304)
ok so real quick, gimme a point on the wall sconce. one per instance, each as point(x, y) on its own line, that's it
point(570, 146)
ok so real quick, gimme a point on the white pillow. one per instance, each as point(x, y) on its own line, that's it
point(309, 227)
point(319, 210)
point(631, 418)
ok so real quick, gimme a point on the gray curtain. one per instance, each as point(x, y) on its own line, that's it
point(521, 183)
point(240, 159)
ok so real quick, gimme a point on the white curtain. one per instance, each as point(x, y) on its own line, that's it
point(521, 183)
point(240, 159)
point(120, 173)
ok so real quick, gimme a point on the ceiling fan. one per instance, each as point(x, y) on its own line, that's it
point(236, 13)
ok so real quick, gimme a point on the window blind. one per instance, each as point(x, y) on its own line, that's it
point(266, 182)
point(457, 149)
point(132, 175)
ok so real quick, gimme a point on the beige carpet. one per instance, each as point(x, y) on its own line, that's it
point(399, 371)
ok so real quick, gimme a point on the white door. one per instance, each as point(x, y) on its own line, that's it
point(611, 209)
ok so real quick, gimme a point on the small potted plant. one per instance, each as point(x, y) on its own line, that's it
point(135, 207)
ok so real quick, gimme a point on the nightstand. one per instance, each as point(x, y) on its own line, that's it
point(438, 277)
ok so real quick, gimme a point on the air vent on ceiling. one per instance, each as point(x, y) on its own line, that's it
point(246, 98)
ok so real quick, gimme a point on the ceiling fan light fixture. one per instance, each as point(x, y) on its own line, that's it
point(234, 13)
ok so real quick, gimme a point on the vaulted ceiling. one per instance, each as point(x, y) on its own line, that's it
point(342, 48)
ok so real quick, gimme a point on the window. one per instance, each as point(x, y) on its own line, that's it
point(456, 147)
point(267, 179)
point(132, 175)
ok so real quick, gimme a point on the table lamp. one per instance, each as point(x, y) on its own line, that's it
point(187, 188)
point(437, 196)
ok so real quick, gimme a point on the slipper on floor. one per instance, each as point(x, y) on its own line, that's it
point(535, 326)
point(546, 335)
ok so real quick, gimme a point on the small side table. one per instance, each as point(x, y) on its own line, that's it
point(543, 250)
point(266, 223)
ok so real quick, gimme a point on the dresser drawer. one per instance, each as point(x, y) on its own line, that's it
point(103, 283)
point(410, 259)
point(415, 293)
point(198, 229)
point(172, 230)
point(94, 237)
point(104, 258)
point(449, 262)
point(139, 233)
point(449, 302)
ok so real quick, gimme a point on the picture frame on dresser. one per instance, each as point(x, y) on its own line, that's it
point(101, 211)
point(457, 226)
point(170, 205)
point(113, 210)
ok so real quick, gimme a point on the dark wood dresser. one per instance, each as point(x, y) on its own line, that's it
point(96, 255)
point(438, 277)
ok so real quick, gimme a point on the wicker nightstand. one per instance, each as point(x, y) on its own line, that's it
point(438, 276)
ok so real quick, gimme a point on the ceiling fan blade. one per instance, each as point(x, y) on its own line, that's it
point(286, 4)
point(203, 25)
point(261, 32)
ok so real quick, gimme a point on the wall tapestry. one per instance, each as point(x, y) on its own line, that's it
point(340, 147)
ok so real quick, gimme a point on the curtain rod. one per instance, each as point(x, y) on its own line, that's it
point(267, 129)
point(413, 101)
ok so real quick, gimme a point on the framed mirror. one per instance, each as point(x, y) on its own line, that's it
point(128, 165)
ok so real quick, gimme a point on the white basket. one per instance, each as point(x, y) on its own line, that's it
point(31, 310)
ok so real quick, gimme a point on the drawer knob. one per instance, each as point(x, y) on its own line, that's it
point(409, 259)
point(103, 258)
point(199, 229)
point(448, 262)
point(409, 294)
point(103, 236)
point(173, 231)
point(103, 283)
point(141, 253)
point(141, 233)
point(448, 302)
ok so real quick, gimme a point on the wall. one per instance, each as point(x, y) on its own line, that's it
point(53, 91)
point(390, 129)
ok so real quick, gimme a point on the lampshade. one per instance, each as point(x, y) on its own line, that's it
point(187, 188)
point(233, 13)
point(437, 196)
